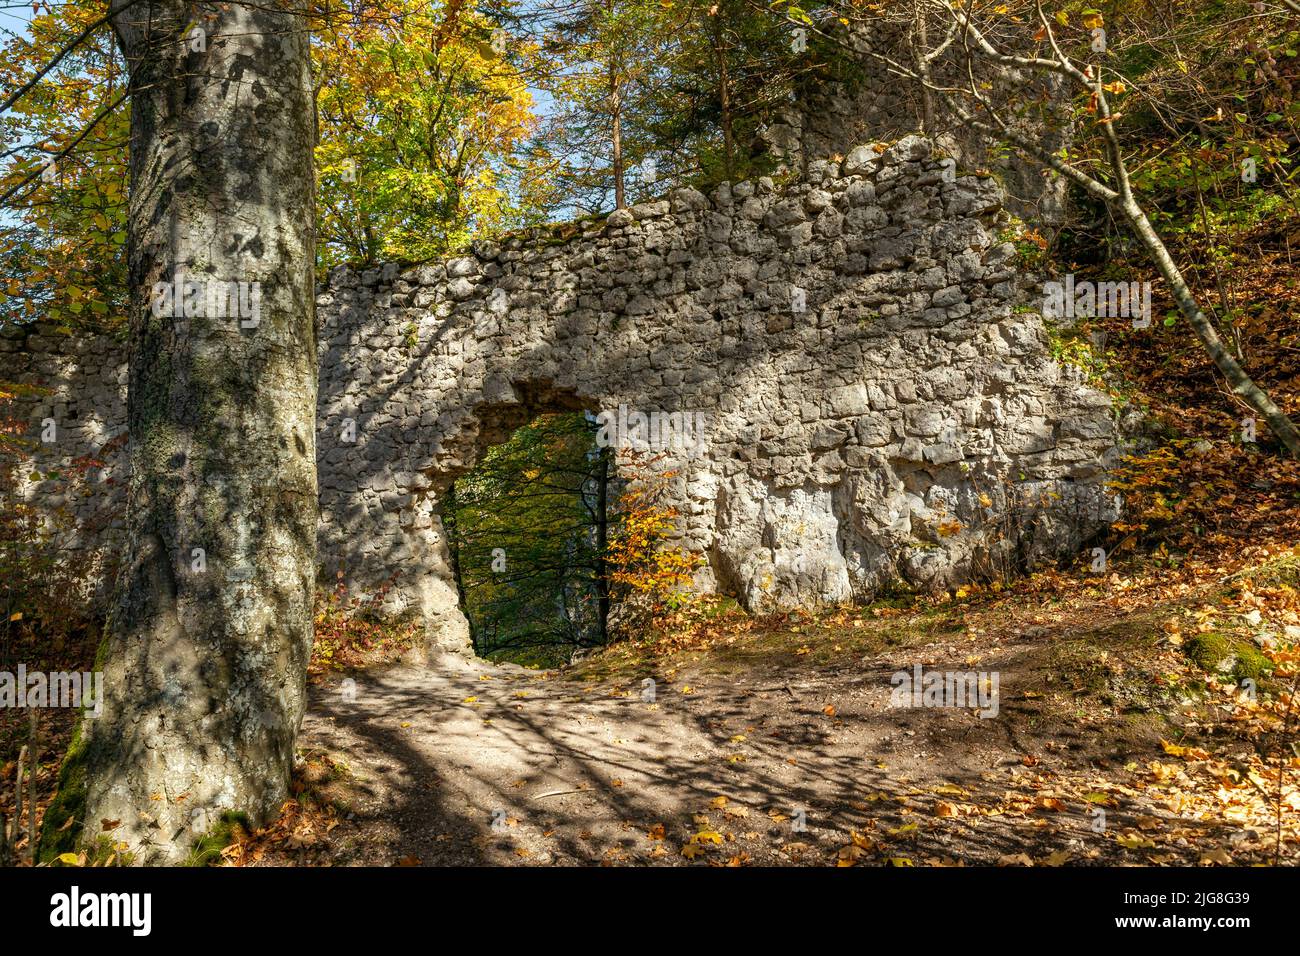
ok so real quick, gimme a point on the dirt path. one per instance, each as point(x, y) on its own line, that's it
point(468, 763)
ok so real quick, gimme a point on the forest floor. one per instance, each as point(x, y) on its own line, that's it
point(773, 741)
point(1123, 733)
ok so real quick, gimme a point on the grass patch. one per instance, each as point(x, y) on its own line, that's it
point(1280, 572)
point(232, 826)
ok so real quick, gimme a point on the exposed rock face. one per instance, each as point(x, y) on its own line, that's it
point(878, 402)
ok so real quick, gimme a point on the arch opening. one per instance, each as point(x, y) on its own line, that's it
point(528, 530)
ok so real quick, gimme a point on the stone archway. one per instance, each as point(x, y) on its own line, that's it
point(880, 403)
point(880, 397)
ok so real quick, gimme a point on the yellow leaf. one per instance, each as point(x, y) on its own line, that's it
point(69, 859)
point(1134, 842)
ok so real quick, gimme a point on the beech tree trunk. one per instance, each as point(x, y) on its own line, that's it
point(206, 650)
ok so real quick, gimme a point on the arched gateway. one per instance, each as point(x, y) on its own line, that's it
point(871, 387)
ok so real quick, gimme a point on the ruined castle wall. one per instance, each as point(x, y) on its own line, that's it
point(879, 403)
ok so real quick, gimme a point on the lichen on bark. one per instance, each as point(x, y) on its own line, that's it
point(208, 638)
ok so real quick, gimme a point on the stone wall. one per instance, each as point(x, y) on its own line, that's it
point(880, 403)
point(78, 469)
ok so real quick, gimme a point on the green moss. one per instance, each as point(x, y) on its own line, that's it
point(69, 803)
point(207, 849)
point(1280, 572)
point(1210, 652)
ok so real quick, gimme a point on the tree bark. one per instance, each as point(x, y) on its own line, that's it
point(616, 140)
point(207, 645)
point(724, 93)
point(602, 545)
point(616, 120)
point(921, 47)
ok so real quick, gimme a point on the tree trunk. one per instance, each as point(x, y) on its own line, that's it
point(724, 94)
point(616, 139)
point(1242, 385)
point(602, 544)
point(207, 645)
point(921, 47)
point(616, 119)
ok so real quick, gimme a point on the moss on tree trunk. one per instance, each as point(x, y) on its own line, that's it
point(210, 632)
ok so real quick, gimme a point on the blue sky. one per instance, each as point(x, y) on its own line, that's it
point(14, 18)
